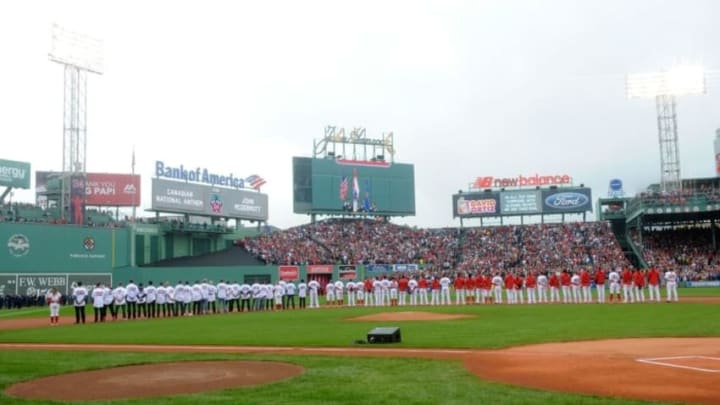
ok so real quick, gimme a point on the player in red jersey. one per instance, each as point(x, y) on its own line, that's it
point(627, 281)
point(585, 282)
point(654, 284)
point(530, 286)
point(639, 284)
point(510, 288)
point(554, 283)
point(459, 285)
point(600, 284)
point(565, 284)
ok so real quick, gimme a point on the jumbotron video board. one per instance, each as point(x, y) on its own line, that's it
point(571, 200)
point(335, 186)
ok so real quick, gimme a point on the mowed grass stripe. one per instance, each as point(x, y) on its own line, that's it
point(492, 326)
point(327, 380)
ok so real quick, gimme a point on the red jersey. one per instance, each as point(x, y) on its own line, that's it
point(554, 281)
point(530, 281)
point(422, 283)
point(653, 277)
point(403, 284)
point(600, 277)
point(459, 283)
point(518, 283)
point(627, 277)
point(584, 278)
point(486, 283)
point(565, 279)
point(435, 284)
point(509, 282)
point(639, 279)
point(368, 285)
point(470, 283)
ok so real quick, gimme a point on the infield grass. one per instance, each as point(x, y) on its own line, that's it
point(327, 380)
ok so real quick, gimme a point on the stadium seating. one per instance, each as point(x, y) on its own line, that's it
point(689, 248)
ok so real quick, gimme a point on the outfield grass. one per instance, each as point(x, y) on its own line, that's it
point(327, 380)
point(492, 326)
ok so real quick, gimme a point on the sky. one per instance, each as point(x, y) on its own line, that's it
point(469, 88)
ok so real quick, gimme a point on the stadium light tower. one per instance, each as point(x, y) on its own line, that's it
point(80, 55)
point(664, 87)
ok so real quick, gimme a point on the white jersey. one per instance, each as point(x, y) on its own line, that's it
point(161, 295)
point(339, 288)
point(245, 292)
point(575, 280)
point(234, 291)
point(614, 277)
point(79, 296)
point(132, 292)
point(445, 282)
point(151, 294)
point(119, 295)
point(412, 285)
point(179, 295)
point(196, 292)
point(497, 281)
point(212, 293)
point(670, 276)
point(314, 286)
point(170, 294)
point(53, 298)
point(279, 291)
point(330, 288)
point(385, 284)
point(542, 280)
point(222, 290)
point(107, 296)
point(98, 297)
point(302, 290)
point(290, 289)
point(377, 285)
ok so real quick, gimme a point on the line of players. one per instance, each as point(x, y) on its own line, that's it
point(133, 301)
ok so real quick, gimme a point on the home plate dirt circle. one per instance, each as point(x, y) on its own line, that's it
point(154, 380)
point(409, 316)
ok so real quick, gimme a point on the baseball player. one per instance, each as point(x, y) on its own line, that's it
point(179, 298)
point(385, 290)
point(150, 299)
point(393, 292)
point(434, 291)
point(377, 292)
point(234, 295)
point(107, 302)
point(360, 292)
point(119, 300)
point(53, 298)
point(302, 293)
point(330, 293)
point(161, 300)
point(403, 290)
point(131, 298)
point(368, 285)
point(423, 290)
point(671, 285)
point(459, 285)
point(197, 298)
point(142, 301)
point(519, 283)
point(412, 290)
point(627, 281)
point(290, 295)
point(278, 293)
point(639, 285)
point(530, 285)
point(79, 295)
point(554, 282)
point(257, 296)
point(313, 287)
point(246, 294)
point(170, 299)
point(350, 286)
point(222, 296)
point(565, 282)
point(585, 282)
point(542, 288)
point(575, 287)
point(510, 288)
point(497, 283)
point(445, 290)
point(654, 284)
point(600, 284)
point(339, 292)
point(98, 300)
point(614, 279)
point(212, 297)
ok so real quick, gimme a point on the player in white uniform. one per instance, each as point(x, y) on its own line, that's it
point(150, 299)
point(313, 287)
point(98, 300)
point(172, 311)
point(107, 302)
point(119, 301)
point(445, 290)
point(197, 298)
point(53, 298)
point(339, 292)
point(360, 292)
point(290, 290)
point(575, 286)
point(79, 294)
point(212, 297)
point(413, 290)
point(393, 288)
point(350, 287)
point(497, 283)
point(671, 285)
point(161, 300)
point(131, 299)
point(302, 293)
point(222, 296)
point(278, 293)
point(542, 287)
point(330, 293)
point(377, 292)
point(614, 279)
point(385, 289)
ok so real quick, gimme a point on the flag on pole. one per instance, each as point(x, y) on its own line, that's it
point(366, 201)
point(343, 188)
point(255, 181)
point(133, 161)
point(356, 191)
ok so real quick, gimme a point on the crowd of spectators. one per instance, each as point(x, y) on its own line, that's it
point(681, 197)
point(690, 250)
point(363, 241)
point(537, 248)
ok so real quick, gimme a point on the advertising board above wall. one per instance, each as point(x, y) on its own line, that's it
point(190, 198)
point(14, 174)
point(97, 189)
point(522, 202)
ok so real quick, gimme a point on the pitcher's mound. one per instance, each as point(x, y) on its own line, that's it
point(154, 380)
point(409, 316)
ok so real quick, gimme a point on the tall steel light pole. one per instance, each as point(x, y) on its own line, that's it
point(79, 55)
point(664, 87)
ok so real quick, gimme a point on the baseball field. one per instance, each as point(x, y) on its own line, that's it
point(576, 353)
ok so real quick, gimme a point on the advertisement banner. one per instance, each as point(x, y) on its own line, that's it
point(520, 202)
point(173, 196)
point(348, 272)
point(476, 204)
point(405, 267)
point(566, 200)
point(319, 269)
point(703, 283)
point(288, 273)
point(378, 268)
point(35, 285)
point(113, 190)
point(14, 174)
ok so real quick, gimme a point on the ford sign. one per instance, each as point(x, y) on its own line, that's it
point(616, 185)
point(570, 201)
